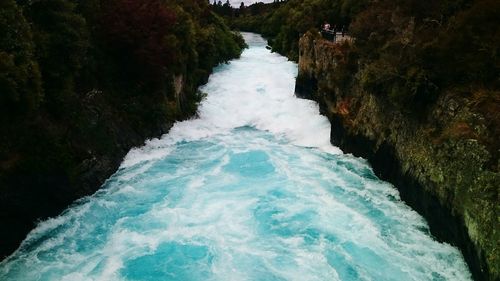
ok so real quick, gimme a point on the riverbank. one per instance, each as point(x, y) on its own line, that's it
point(82, 84)
point(437, 159)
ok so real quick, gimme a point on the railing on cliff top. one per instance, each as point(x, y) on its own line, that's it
point(335, 37)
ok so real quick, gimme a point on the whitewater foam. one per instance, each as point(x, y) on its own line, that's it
point(250, 190)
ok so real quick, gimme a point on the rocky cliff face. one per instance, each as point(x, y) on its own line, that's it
point(439, 159)
point(28, 196)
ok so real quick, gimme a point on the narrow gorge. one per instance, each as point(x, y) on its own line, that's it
point(303, 140)
point(252, 189)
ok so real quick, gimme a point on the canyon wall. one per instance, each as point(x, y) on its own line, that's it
point(82, 82)
point(95, 153)
point(438, 158)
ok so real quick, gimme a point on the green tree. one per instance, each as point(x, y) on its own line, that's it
point(61, 40)
point(20, 81)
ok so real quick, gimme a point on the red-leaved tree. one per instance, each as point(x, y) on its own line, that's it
point(142, 29)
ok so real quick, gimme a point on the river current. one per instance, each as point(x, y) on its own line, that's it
point(252, 189)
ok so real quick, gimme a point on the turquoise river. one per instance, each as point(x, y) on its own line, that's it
point(250, 189)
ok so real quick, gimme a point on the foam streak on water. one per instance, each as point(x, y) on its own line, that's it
point(251, 190)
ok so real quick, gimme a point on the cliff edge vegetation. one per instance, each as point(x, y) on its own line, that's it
point(81, 82)
point(417, 93)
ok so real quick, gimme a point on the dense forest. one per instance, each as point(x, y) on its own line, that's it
point(83, 81)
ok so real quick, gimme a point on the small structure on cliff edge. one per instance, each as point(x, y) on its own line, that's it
point(334, 36)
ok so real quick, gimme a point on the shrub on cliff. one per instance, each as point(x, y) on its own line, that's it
point(141, 31)
point(467, 48)
point(61, 41)
point(20, 80)
point(411, 52)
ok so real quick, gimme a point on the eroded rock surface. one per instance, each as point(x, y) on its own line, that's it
point(444, 160)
